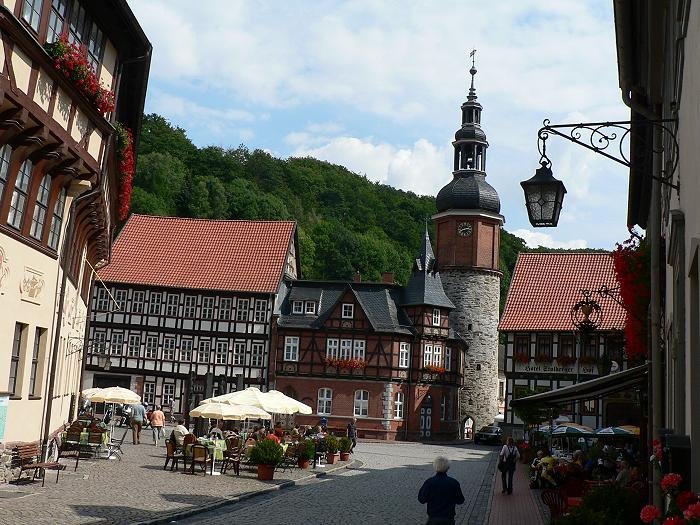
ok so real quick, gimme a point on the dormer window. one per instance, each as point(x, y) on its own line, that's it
point(298, 307)
point(348, 310)
point(436, 317)
point(310, 308)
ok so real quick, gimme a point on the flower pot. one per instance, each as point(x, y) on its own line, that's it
point(266, 472)
point(303, 463)
point(330, 458)
point(344, 456)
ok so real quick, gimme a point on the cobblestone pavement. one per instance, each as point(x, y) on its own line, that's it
point(383, 489)
point(135, 490)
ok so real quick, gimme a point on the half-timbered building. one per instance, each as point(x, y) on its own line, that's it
point(379, 352)
point(60, 190)
point(186, 306)
point(544, 349)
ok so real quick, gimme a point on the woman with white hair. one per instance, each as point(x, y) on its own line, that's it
point(442, 493)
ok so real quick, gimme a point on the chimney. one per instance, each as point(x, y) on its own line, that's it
point(388, 277)
point(357, 277)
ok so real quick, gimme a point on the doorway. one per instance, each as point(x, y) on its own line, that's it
point(468, 428)
point(426, 417)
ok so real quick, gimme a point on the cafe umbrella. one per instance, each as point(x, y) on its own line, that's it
point(114, 394)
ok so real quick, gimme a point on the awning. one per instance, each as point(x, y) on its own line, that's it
point(600, 386)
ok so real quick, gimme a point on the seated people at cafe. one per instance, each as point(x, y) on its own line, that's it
point(624, 475)
point(278, 430)
point(179, 432)
point(547, 465)
point(215, 432)
point(535, 470)
point(273, 437)
point(296, 432)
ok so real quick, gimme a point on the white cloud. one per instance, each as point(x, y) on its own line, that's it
point(537, 239)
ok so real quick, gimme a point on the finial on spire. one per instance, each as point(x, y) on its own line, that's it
point(472, 72)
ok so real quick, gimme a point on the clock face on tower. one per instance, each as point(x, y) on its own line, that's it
point(464, 229)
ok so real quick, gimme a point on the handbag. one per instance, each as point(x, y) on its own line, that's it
point(501, 465)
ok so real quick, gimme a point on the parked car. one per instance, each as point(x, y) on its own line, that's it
point(488, 435)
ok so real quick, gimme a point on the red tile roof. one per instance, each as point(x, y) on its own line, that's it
point(545, 286)
point(206, 254)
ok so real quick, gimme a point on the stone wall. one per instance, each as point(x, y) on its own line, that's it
point(476, 296)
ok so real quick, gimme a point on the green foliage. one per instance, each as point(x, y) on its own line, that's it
point(331, 443)
point(534, 413)
point(345, 444)
point(611, 504)
point(308, 449)
point(266, 452)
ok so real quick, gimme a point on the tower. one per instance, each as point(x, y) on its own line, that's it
point(467, 226)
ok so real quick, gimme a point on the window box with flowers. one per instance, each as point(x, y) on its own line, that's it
point(522, 358)
point(433, 369)
point(587, 360)
point(543, 359)
point(346, 364)
point(565, 360)
point(125, 161)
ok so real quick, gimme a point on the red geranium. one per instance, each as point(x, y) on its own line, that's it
point(674, 520)
point(125, 159)
point(671, 482)
point(649, 513)
point(685, 499)
point(693, 511)
point(433, 369)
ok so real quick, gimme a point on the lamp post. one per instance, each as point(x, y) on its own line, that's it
point(544, 196)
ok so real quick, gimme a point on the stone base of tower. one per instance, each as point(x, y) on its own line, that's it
point(476, 296)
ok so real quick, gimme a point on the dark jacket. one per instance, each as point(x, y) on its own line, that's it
point(441, 493)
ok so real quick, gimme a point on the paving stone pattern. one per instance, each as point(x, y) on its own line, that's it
point(383, 489)
point(519, 508)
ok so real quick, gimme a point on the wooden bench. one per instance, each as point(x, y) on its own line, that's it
point(28, 457)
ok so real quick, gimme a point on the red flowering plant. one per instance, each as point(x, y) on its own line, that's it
point(632, 269)
point(346, 364)
point(72, 61)
point(683, 508)
point(543, 358)
point(587, 360)
point(566, 360)
point(686, 499)
point(434, 369)
point(125, 160)
point(522, 358)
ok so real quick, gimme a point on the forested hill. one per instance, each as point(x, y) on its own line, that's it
point(346, 222)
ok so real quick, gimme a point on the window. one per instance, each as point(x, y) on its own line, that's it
point(186, 350)
point(42, 202)
point(501, 390)
point(522, 345)
point(589, 407)
point(134, 345)
point(359, 350)
point(31, 12)
point(38, 342)
point(102, 300)
point(168, 393)
point(5, 154)
point(436, 317)
point(190, 306)
point(169, 349)
point(116, 346)
point(325, 401)
point(82, 30)
point(120, 299)
point(95, 44)
point(14, 359)
point(332, 348)
point(173, 303)
point(137, 302)
point(203, 351)
point(348, 310)
point(151, 347)
point(566, 346)
point(242, 307)
point(19, 196)
point(345, 348)
point(443, 408)
point(239, 353)
point(437, 355)
point(56, 18)
point(260, 310)
point(398, 406)
point(427, 355)
point(310, 308)
point(149, 393)
point(57, 219)
point(207, 308)
point(100, 343)
point(448, 358)
point(154, 306)
point(404, 352)
point(590, 347)
point(298, 307)
point(544, 345)
point(221, 352)
point(361, 407)
point(257, 355)
point(291, 348)
point(225, 308)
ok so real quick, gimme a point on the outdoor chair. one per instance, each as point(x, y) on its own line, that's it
point(555, 499)
point(70, 447)
point(201, 457)
point(114, 447)
point(232, 458)
point(172, 456)
point(27, 457)
point(290, 458)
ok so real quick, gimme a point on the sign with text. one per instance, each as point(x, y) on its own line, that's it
point(556, 368)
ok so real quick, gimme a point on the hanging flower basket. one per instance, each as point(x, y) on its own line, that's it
point(125, 161)
point(432, 369)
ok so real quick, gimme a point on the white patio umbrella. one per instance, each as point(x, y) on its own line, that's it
point(89, 392)
point(229, 412)
point(114, 394)
point(273, 401)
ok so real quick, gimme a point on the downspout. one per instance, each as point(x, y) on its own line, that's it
point(66, 260)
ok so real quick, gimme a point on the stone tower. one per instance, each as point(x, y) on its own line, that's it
point(467, 226)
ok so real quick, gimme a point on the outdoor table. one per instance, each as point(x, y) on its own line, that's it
point(84, 438)
point(216, 449)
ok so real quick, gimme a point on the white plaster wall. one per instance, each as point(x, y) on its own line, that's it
point(109, 62)
point(61, 112)
point(10, 4)
point(22, 66)
point(42, 93)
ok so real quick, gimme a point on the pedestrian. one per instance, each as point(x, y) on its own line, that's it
point(352, 432)
point(157, 422)
point(441, 493)
point(138, 416)
point(507, 460)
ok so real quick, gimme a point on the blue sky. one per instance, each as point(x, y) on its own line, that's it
point(376, 86)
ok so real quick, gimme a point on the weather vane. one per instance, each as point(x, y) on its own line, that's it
point(473, 52)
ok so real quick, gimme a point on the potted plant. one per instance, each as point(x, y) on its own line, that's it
point(307, 452)
point(345, 446)
point(266, 454)
point(331, 443)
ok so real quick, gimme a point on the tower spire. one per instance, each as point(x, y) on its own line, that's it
point(472, 72)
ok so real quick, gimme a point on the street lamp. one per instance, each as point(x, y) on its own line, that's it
point(104, 362)
point(544, 196)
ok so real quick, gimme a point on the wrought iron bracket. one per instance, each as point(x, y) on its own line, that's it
point(610, 139)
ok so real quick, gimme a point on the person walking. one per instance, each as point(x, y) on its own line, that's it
point(157, 422)
point(352, 432)
point(138, 416)
point(442, 493)
point(507, 460)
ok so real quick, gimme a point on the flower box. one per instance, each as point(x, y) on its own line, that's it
point(543, 359)
point(522, 358)
point(565, 360)
point(432, 369)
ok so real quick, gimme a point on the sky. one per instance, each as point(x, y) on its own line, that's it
point(376, 86)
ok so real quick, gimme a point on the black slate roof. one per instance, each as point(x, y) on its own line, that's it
point(424, 286)
point(468, 191)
